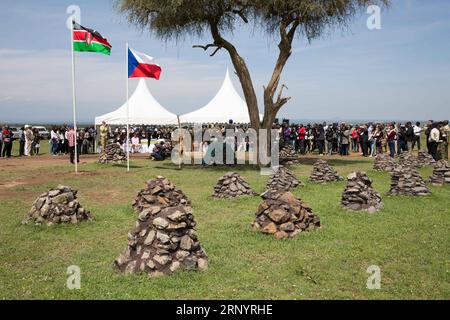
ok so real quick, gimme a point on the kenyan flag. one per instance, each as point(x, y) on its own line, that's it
point(88, 40)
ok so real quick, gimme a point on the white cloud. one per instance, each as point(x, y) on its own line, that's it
point(38, 84)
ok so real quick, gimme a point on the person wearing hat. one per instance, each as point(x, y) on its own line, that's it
point(29, 138)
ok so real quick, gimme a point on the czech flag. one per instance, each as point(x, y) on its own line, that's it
point(141, 65)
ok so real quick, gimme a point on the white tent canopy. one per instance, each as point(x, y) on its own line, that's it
point(226, 105)
point(143, 109)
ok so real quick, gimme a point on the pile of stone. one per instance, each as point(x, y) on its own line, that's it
point(283, 215)
point(425, 159)
point(163, 241)
point(57, 206)
point(441, 173)
point(288, 155)
point(159, 192)
point(113, 153)
point(283, 179)
point(383, 162)
point(407, 181)
point(323, 173)
point(232, 185)
point(407, 159)
point(359, 194)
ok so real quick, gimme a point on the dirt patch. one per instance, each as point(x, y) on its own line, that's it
point(8, 194)
point(11, 184)
point(108, 196)
point(83, 173)
point(21, 172)
point(21, 163)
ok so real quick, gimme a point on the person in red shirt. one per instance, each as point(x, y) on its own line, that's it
point(301, 136)
point(355, 138)
point(7, 142)
point(391, 137)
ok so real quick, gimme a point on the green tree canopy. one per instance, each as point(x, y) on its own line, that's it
point(283, 19)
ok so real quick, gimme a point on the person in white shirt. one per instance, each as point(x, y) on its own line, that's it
point(434, 140)
point(135, 144)
point(54, 142)
point(29, 137)
point(61, 142)
point(417, 136)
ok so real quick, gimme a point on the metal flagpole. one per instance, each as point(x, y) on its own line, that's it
point(74, 98)
point(180, 139)
point(128, 109)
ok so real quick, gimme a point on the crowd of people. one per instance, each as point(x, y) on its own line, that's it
point(367, 139)
point(343, 139)
point(28, 138)
point(59, 140)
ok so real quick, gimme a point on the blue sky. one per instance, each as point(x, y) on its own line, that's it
point(399, 72)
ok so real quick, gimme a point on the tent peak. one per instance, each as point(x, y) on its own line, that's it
point(143, 109)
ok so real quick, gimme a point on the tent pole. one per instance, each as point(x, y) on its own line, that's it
point(180, 142)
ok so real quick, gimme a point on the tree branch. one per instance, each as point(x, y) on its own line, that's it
point(215, 51)
point(211, 45)
point(242, 71)
point(240, 13)
point(280, 100)
point(288, 27)
point(281, 91)
point(279, 104)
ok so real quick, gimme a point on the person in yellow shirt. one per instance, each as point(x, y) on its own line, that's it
point(104, 131)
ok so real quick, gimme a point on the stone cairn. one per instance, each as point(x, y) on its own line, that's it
point(163, 240)
point(232, 185)
point(359, 194)
point(323, 173)
point(441, 173)
point(409, 160)
point(283, 215)
point(57, 206)
point(283, 179)
point(288, 155)
point(406, 181)
point(383, 162)
point(425, 159)
point(159, 192)
point(113, 154)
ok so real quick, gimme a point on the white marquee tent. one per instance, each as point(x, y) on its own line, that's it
point(226, 105)
point(143, 109)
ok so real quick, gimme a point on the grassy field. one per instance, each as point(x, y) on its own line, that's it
point(409, 240)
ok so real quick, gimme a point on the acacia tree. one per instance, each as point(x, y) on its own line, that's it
point(283, 19)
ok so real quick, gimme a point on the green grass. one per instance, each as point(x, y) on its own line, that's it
point(409, 240)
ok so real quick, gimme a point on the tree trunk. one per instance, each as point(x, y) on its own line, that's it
point(271, 107)
point(242, 72)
